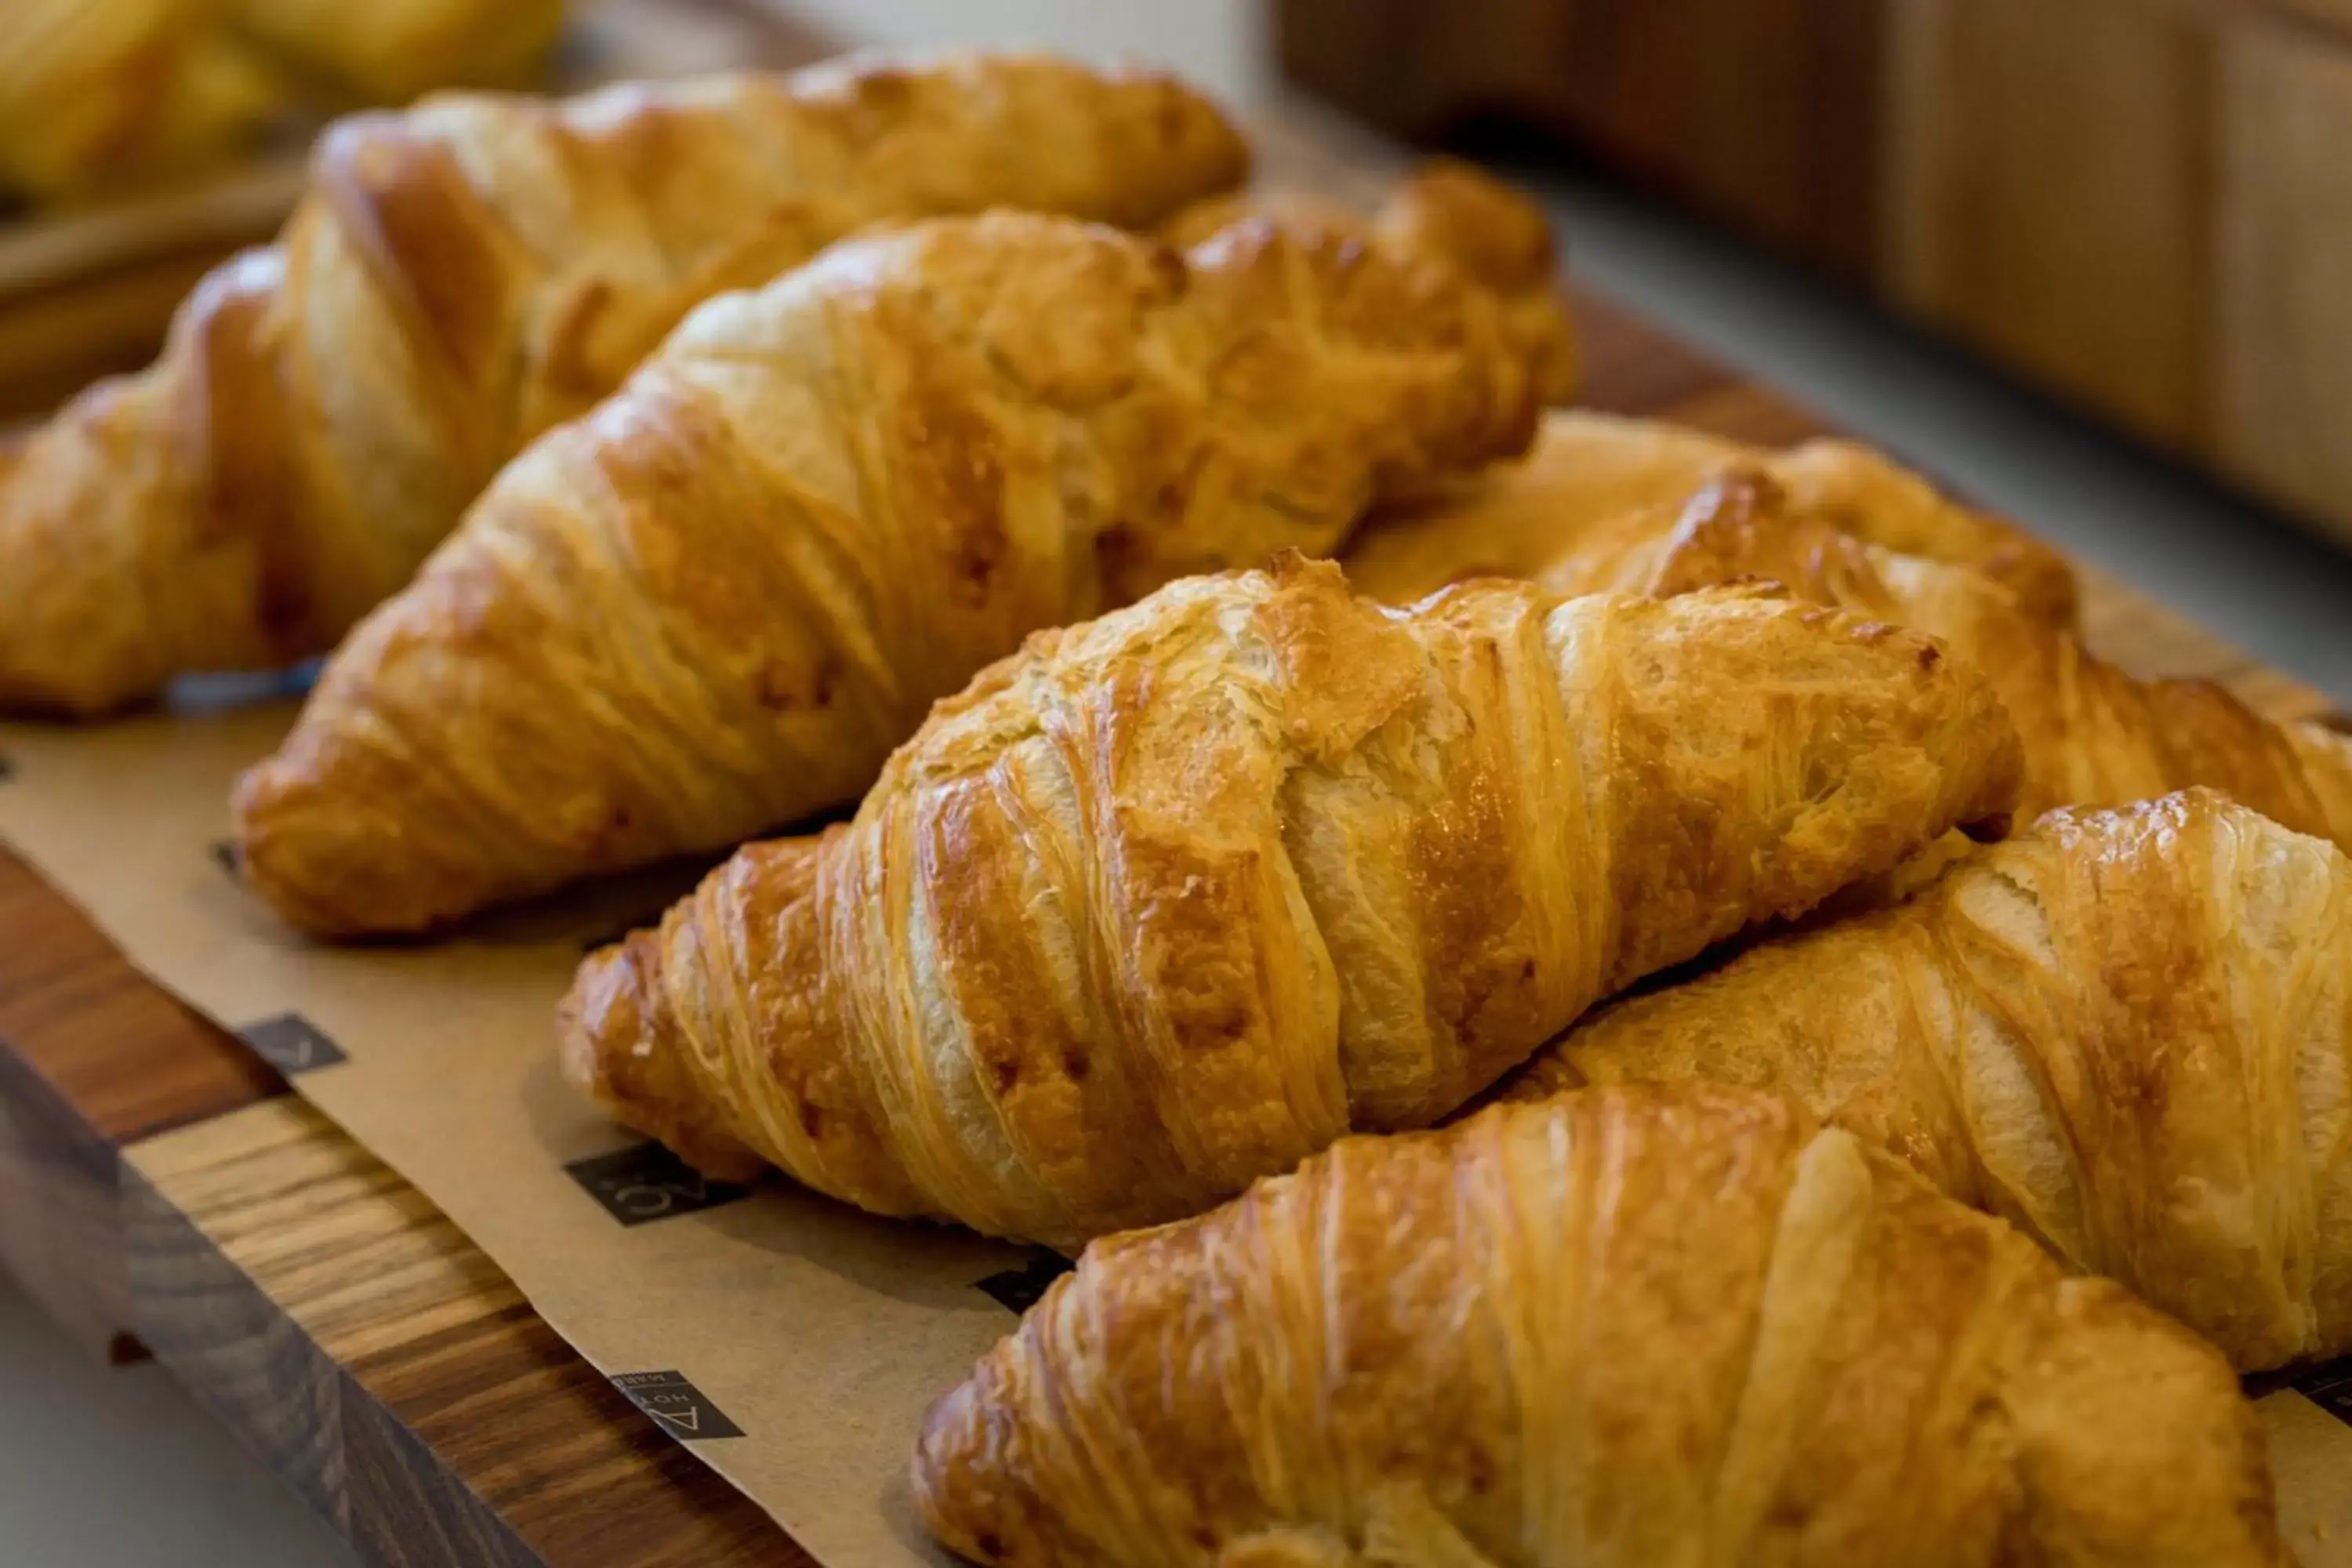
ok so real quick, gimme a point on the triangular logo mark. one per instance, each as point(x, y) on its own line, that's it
point(691, 1420)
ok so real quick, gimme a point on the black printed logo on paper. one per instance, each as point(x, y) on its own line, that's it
point(676, 1405)
point(8, 767)
point(1018, 1289)
point(292, 1044)
point(649, 1183)
point(224, 853)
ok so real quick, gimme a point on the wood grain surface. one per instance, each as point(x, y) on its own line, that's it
point(157, 1180)
point(2283, 338)
point(342, 1327)
point(2046, 193)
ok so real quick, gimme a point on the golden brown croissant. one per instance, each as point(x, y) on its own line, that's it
point(1172, 900)
point(96, 93)
point(388, 51)
point(101, 92)
point(1620, 1327)
point(1590, 470)
point(2128, 1031)
point(2094, 735)
point(461, 278)
point(1448, 211)
point(714, 604)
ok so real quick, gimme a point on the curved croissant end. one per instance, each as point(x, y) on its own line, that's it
point(1447, 212)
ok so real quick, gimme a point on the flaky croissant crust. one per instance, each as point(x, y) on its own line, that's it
point(2093, 734)
point(712, 606)
point(1445, 211)
point(2127, 1031)
point(1620, 1327)
point(467, 274)
point(1588, 470)
point(1174, 899)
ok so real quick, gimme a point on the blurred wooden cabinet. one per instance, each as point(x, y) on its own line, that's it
point(2283, 272)
point(1762, 110)
point(2145, 205)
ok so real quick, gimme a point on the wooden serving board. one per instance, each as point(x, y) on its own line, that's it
point(161, 1188)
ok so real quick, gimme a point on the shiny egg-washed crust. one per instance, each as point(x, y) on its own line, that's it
point(1623, 1327)
point(712, 606)
point(465, 275)
point(1591, 470)
point(2094, 735)
point(1172, 900)
point(2128, 1031)
point(1447, 211)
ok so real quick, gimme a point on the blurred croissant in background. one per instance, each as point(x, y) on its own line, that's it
point(95, 94)
point(1591, 471)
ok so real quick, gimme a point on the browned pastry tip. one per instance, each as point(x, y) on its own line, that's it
point(1622, 1326)
point(1499, 234)
point(1176, 897)
point(610, 1026)
point(2125, 1030)
point(1442, 211)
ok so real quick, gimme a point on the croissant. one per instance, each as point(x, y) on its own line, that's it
point(102, 92)
point(461, 278)
point(98, 93)
point(2127, 1031)
point(714, 604)
point(1590, 470)
point(1172, 900)
point(2094, 735)
point(1617, 1327)
point(1446, 210)
point(388, 51)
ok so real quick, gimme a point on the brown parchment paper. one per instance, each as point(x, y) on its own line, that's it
point(820, 1333)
